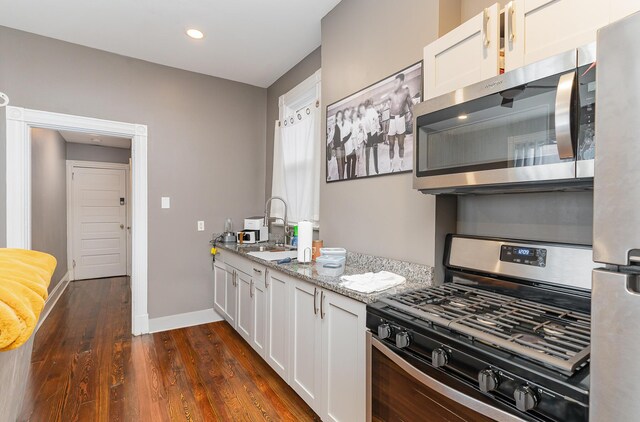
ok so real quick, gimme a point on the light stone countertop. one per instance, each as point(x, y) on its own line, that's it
point(417, 275)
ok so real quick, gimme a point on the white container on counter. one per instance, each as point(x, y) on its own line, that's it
point(333, 252)
point(330, 265)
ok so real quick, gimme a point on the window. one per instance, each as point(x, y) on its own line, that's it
point(296, 153)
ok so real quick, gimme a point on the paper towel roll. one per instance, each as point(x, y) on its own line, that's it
point(305, 239)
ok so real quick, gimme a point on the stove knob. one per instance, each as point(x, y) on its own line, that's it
point(384, 331)
point(488, 380)
point(403, 340)
point(526, 398)
point(439, 357)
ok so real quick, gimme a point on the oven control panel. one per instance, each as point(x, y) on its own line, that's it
point(523, 255)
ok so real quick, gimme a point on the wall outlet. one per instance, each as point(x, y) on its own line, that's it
point(200, 226)
point(165, 202)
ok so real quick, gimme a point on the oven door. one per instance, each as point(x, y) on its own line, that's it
point(399, 391)
point(516, 128)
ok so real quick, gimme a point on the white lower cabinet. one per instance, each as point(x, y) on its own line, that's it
point(328, 351)
point(225, 292)
point(277, 323)
point(244, 305)
point(259, 311)
point(306, 343)
point(313, 338)
point(343, 357)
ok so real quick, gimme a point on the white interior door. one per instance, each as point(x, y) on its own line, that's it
point(99, 213)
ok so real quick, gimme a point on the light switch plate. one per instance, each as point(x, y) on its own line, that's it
point(165, 202)
point(200, 226)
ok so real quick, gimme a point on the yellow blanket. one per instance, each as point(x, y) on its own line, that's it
point(24, 278)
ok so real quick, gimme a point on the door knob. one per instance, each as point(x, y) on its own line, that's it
point(122, 226)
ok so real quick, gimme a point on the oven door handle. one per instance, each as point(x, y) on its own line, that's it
point(563, 117)
point(449, 392)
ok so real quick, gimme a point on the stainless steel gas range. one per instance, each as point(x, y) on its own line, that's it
point(505, 337)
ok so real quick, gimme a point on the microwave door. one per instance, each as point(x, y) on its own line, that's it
point(521, 134)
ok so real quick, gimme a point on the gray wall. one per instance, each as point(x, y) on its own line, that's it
point(307, 67)
point(549, 216)
point(470, 8)
point(86, 152)
point(200, 128)
point(364, 41)
point(49, 198)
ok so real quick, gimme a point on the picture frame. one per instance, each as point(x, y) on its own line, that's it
point(370, 132)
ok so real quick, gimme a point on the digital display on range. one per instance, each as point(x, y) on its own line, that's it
point(523, 255)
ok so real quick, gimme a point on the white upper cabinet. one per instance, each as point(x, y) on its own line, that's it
point(537, 29)
point(623, 8)
point(466, 55)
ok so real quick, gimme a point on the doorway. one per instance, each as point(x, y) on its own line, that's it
point(19, 122)
point(98, 219)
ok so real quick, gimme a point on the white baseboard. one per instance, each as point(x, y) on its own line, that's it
point(188, 319)
point(52, 299)
point(140, 325)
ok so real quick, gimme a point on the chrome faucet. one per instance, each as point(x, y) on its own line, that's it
point(268, 219)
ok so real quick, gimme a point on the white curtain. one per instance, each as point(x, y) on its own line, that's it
point(296, 167)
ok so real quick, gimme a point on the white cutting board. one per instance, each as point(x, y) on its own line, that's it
point(274, 256)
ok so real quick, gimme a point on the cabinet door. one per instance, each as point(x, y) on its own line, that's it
point(343, 358)
point(277, 351)
point(231, 296)
point(259, 313)
point(219, 288)
point(623, 8)
point(245, 292)
point(305, 377)
point(466, 55)
point(537, 29)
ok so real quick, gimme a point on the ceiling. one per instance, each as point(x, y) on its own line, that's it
point(251, 41)
point(101, 140)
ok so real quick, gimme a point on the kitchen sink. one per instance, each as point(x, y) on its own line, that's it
point(267, 248)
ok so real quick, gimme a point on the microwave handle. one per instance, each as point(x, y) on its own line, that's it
point(564, 129)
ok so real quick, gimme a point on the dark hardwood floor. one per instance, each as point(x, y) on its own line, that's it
point(86, 366)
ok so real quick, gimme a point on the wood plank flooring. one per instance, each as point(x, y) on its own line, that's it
point(86, 366)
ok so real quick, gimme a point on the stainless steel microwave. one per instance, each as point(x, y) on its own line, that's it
point(528, 129)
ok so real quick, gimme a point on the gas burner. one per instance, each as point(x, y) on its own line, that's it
point(553, 329)
point(557, 337)
point(459, 302)
point(433, 309)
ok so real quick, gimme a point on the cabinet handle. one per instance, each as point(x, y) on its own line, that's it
point(257, 271)
point(485, 27)
point(251, 289)
point(235, 278)
point(511, 11)
point(266, 278)
point(315, 295)
point(321, 304)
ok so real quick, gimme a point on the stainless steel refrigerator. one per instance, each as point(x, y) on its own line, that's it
point(615, 337)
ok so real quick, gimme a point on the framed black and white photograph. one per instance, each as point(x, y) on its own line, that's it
point(370, 133)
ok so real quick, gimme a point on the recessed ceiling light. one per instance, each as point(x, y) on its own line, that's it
point(195, 34)
point(96, 140)
point(463, 117)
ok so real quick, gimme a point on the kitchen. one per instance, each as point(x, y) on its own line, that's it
point(407, 226)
